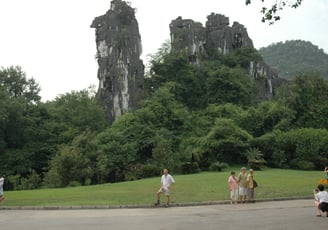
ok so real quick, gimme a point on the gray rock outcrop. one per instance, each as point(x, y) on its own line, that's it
point(121, 71)
point(219, 38)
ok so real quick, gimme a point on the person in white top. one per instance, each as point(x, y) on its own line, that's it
point(2, 179)
point(166, 183)
point(321, 200)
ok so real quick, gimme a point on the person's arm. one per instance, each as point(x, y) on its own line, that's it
point(248, 179)
point(172, 181)
point(315, 194)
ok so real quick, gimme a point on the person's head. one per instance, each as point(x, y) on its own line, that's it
point(251, 171)
point(165, 171)
point(321, 187)
point(243, 169)
point(233, 173)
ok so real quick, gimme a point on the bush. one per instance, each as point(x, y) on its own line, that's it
point(255, 158)
point(139, 171)
point(32, 181)
point(189, 167)
point(218, 166)
point(149, 171)
point(302, 164)
point(74, 184)
point(256, 164)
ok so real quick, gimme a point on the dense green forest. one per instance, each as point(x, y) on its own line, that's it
point(191, 118)
point(296, 56)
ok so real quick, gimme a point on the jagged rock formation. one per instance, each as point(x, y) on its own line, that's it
point(217, 37)
point(120, 72)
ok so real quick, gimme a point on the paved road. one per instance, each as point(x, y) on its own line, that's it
point(296, 214)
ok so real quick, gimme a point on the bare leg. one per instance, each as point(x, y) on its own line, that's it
point(316, 204)
point(158, 198)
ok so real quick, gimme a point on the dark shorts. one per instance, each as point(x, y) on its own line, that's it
point(323, 207)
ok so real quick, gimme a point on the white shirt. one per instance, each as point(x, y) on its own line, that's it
point(167, 181)
point(1, 185)
point(322, 196)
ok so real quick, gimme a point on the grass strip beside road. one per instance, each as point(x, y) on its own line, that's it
point(202, 187)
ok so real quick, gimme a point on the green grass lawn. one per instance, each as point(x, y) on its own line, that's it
point(208, 186)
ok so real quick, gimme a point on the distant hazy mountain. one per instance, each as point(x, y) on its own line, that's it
point(295, 56)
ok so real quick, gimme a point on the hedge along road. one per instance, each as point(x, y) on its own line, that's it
point(292, 214)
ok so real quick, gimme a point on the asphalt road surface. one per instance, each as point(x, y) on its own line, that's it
point(295, 214)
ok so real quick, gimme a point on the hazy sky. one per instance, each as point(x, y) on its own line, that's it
point(53, 43)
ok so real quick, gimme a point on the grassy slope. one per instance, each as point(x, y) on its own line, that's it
point(273, 183)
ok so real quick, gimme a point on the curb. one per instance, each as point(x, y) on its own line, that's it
point(86, 207)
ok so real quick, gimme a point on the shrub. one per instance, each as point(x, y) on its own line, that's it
point(149, 171)
point(32, 181)
point(189, 167)
point(17, 182)
point(74, 184)
point(302, 164)
point(218, 166)
point(255, 158)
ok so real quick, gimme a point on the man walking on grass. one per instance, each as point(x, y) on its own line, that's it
point(166, 182)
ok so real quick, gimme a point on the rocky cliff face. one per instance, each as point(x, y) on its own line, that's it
point(121, 71)
point(218, 37)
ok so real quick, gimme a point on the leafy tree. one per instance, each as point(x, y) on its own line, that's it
point(271, 14)
point(21, 123)
point(212, 81)
point(75, 112)
point(303, 148)
point(69, 165)
point(227, 85)
point(225, 142)
point(306, 148)
point(163, 151)
point(307, 95)
point(241, 57)
point(13, 80)
point(188, 84)
point(103, 168)
point(18, 98)
point(164, 109)
point(116, 143)
point(158, 57)
point(148, 134)
point(265, 117)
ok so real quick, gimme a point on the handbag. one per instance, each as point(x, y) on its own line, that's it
point(254, 184)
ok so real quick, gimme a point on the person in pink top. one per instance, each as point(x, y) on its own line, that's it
point(233, 186)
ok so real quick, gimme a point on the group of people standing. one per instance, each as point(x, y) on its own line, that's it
point(242, 186)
